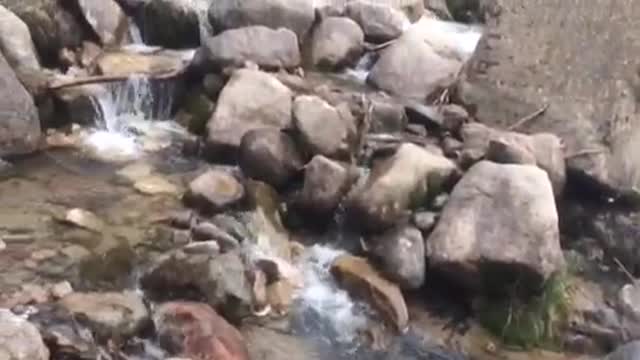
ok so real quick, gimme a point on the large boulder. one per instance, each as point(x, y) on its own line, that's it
point(19, 339)
point(15, 41)
point(52, 26)
point(361, 280)
point(544, 150)
point(401, 255)
point(337, 42)
point(379, 22)
point(19, 123)
point(251, 100)
point(630, 351)
point(174, 23)
point(521, 65)
point(413, 54)
point(269, 48)
point(295, 15)
point(110, 314)
point(324, 129)
point(499, 226)
point(397, 184)
point(269, 155)
point(195, 331)
point(107, 19)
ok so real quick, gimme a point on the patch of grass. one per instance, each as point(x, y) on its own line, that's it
point(536, 322)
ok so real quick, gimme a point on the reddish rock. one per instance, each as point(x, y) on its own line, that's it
point(195, 331)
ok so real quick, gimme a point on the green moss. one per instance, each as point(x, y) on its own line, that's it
point(533, 323)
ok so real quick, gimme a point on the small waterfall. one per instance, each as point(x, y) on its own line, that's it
point(130, 113)
point(134, 32)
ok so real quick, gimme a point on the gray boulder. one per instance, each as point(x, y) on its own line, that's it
point(337, 42)
point(401, 255)
point(173, 23)
point(397, 184)
point(380, 22)
point(411, 54)
point(545, 150)
point(214, 190)
point(19, 339)
point(295, 15)
point(269, 48)
point(324, 129)
point(509, 77)
point(19, 123)
point(269, 155)
point(15, 41)
point(499, 226)
point(250, 100)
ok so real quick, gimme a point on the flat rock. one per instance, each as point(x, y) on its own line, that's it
point(155, 185)
point(106, 18)
point(397, 184)
point(268, 48)
point(84, 219)
point(380, 22)
point(251, 100)
point(362, 280)
point(214, 190)
point(123, 63)
point(19, 339)
point(111, 314)
point(519, 237)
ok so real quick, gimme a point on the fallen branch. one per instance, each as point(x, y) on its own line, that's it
point(624, 270)
point(529, 118)
point(56, 85)
point(378, 47)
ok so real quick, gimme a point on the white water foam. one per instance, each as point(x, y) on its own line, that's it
point(134, 32)
point(457, 39)
point(321, 295)
point(131, 113)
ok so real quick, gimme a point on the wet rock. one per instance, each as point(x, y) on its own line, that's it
point(172, 23)
point(200, 271)
point(472, 11)
point(269, 48)
point(15, 41)
point(324, 129)
point(544, 150)
point(84, 219)
point(78, 103)
point(269, 106)
point(155, 185)
point(442, 118)
point(387, 117)
point(60, 290)
point(295, 15)
point(280, 296)
point(20, 125)
point(519, 237)
point(52, 27)
point(214, 191)
point(395, 70)
point(629, 301)
point(196, 111)
point(396, 185)
point(65, 337)
point(206, 231)
point(277, 269)
point(273, 344)
point(195, 330)
point(109, 314)
point(326, 182)
point(361, 280)
point(451, 147)
point(379, 22)
point(425, 220)
point(439, 8)
point(269, 155)
point(19, 339)
point(106, 18)
point(123, 63)
point(212, 85)
point(134, 172)
point(264, 222)
point(628, 351)
point(337, 42)
point(401, 255)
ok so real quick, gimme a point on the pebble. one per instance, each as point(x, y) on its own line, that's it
point(84, 219)
point(3, 245)
point(61, 289)
point(154, 185)
point(44, 254)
